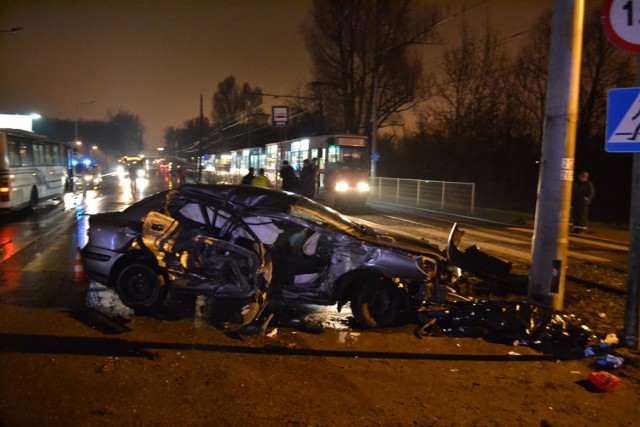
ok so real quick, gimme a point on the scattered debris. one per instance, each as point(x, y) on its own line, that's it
point(610, 361)
point(346, 336)
point(515, 323)
point(311, 326)
point(597, 350)
point(611, 339)
point(604, 380)
point(273, 333)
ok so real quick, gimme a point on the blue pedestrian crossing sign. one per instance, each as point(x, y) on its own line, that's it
point(623, 120)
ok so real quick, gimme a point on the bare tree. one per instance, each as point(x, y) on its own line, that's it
point(126, 132)
point(235, 104)
point(366, 51)
point(472, 96)
point(529, 78)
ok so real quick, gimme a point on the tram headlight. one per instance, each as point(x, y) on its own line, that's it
point(342, 186)
point(363, 187)
point(140, 173)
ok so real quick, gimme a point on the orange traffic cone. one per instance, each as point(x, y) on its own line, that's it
point(79, 274)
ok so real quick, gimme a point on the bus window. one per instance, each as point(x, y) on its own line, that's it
point(38, 154)
point(26, 154)
point(14, 153)
point(56, 156)
point(48, 159)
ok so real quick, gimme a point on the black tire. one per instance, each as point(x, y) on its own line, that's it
point(376, 303)
point(139, 286)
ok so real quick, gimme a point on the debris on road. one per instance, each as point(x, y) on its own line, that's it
point(514, 323)
point(604, 380)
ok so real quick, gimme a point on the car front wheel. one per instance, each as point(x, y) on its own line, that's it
point(140, 286)
point(376, 303)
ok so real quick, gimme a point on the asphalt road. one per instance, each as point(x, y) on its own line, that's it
point(70, 354)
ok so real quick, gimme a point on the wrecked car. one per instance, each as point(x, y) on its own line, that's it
point(237, 243)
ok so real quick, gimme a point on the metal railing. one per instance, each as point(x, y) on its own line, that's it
point(428, 194)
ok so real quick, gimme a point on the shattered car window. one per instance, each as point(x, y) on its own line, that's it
point(318, 214)
point(193, 212)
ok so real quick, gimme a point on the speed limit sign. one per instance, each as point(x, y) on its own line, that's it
point(621, 23)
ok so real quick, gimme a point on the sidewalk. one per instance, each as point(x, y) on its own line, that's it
point(617, 233)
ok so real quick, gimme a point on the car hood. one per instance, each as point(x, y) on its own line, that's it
point(403, 242)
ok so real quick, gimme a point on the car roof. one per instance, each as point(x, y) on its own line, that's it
point(242, 196)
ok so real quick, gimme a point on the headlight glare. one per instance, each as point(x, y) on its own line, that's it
point(342, 186)
point(363, 187)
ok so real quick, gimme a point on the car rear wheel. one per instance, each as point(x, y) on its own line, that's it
point(376, 303)
point(140, 286)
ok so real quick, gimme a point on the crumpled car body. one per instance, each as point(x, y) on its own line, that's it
point(244, 242)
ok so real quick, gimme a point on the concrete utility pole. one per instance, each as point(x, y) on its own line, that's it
point(550, 239)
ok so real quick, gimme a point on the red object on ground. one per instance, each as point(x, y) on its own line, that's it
point(604, 380)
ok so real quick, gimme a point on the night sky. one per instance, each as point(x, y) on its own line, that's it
point(155, 58)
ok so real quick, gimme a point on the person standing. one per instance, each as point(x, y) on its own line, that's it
point(315, 163)
point(288, 176)
point(260, 180)
point(246, 180)
point(307, 179)
point(583, 194)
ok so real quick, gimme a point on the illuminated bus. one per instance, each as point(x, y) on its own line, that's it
point(32, 169)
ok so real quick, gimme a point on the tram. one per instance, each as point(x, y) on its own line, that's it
point(343, 167)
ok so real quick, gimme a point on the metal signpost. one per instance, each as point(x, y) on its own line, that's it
point(621, 23)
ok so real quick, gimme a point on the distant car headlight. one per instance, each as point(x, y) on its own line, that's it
point(87, 178)
point(363, 187)
point(140, 173)
point(342, 186)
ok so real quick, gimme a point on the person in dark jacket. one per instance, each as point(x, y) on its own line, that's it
point(288, 176)
point(583, 193)
point(307, 179)
point(246, 180)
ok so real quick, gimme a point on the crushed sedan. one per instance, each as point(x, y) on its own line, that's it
point(244, 243)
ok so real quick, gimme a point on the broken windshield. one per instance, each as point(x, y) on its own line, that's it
point(316, 213)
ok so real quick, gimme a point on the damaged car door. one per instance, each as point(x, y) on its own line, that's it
point(202, 250)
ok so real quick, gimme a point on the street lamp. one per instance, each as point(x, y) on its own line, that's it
point(77, 106)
